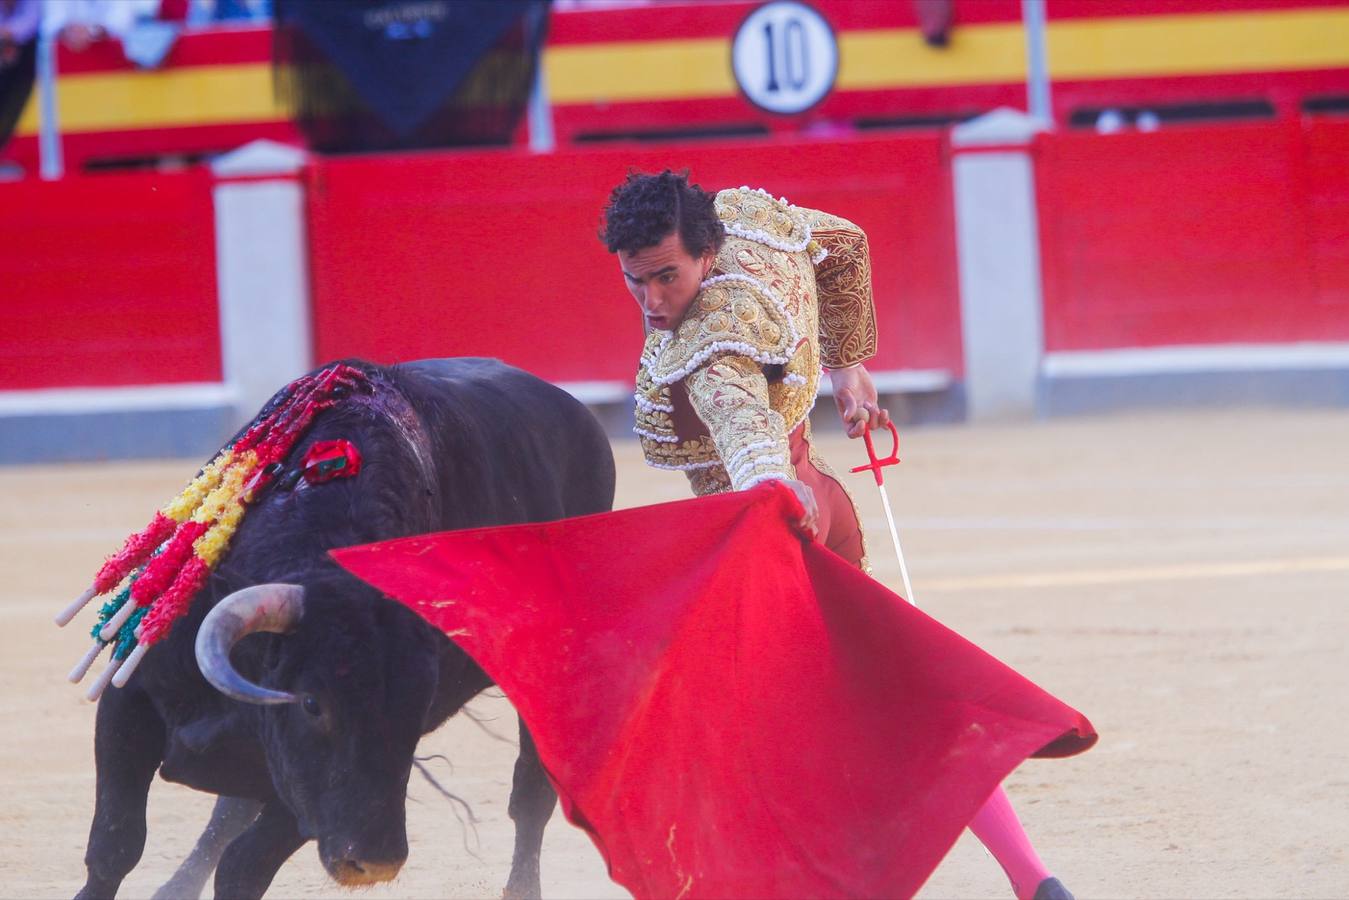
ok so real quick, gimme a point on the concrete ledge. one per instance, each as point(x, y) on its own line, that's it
point(114, 434)
point(1313, 374)
point(902, 381)
point(71, 401)
point(598, 393)
point(1198, 358)
point(69, 424)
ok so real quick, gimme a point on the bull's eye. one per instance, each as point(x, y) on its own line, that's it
point(311, 705)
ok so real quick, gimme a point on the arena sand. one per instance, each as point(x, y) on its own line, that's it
point(1183, 579)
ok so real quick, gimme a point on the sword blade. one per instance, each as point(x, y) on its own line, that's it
point(894, 536)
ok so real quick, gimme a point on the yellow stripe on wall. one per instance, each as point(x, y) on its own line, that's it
point(1125, 47)
point(1156, 46)
point(127, 101)
point(1200, 44)
point(646, 71)
point(639, 70)
point(898, 58)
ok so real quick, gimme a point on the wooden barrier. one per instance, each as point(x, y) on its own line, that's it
point(108, 280)
point(497, 254)
point(1198, 235)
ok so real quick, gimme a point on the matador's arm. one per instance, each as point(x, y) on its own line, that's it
point(730, 395)
point(843, 279)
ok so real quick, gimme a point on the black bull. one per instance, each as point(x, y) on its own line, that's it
point(447, 444)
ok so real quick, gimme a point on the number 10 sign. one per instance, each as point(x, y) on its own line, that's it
point(785, 57)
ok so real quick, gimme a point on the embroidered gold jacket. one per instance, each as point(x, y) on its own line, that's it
point(791, 290)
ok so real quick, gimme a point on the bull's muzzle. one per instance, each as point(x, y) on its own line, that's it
point(350, 871)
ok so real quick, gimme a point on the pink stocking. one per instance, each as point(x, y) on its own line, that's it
point(996, 825)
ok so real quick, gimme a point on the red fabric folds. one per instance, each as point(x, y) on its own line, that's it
point(728, 710)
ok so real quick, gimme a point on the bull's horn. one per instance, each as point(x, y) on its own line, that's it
point(265, 607)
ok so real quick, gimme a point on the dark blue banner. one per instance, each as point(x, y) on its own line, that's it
point(373, 74)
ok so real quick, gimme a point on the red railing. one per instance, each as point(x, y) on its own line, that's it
point(1206, 235)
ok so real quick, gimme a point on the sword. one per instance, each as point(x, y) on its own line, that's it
point(874, 467)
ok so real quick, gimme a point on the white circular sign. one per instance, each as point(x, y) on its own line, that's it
point(785, 57)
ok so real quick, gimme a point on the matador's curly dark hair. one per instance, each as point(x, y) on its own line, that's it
point(645, 209)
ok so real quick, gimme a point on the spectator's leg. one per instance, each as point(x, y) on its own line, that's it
point(16, 83)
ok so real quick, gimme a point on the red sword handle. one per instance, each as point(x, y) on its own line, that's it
point(878, 463)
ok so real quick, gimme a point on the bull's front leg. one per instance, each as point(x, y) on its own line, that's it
point(532, 802)
point(253, 859)
point(229, 818)
point(128, 748)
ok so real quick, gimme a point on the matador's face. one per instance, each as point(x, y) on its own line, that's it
point(664, 280)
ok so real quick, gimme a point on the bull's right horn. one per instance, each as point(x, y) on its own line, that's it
point(276, 608)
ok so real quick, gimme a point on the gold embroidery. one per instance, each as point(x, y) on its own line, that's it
point(709, 481)
point(730, 395)
point(756, 210)
point(655, 427)
point(843, 279)
point(731, 315)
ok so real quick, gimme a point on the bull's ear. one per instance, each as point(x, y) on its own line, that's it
point(275, 608)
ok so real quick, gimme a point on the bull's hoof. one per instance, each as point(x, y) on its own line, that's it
point(521, 891)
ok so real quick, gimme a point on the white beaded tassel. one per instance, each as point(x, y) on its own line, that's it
point(64, 616)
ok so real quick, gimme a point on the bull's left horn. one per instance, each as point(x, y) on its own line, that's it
point(276, 608)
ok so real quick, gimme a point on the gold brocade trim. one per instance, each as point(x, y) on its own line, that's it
point(731, 397)
point(754, 214)
point(709, 481)
point(732, 314)
point(662, 447)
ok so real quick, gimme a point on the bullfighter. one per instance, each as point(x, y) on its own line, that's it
point(744, 298)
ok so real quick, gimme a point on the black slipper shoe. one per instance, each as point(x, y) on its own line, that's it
point(1052, 889)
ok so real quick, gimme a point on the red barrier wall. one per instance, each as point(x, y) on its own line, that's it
point(1195, 235)
point(496, 253)
point(1184, 236)
point(108, 280)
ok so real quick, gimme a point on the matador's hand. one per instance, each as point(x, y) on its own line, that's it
point(858, 404)
point(810, 522)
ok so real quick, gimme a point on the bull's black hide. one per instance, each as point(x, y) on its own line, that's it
point(450, 443)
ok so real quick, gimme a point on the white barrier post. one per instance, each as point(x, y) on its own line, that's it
point(262, 271)
point(51, 165)
point(998, 246)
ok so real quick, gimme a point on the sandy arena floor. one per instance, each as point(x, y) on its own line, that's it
point(1180, 578)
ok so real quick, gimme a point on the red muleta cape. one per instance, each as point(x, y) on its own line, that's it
point(727, 709)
